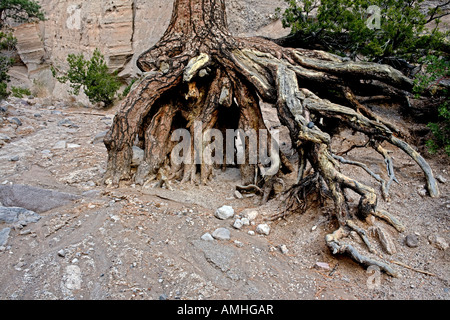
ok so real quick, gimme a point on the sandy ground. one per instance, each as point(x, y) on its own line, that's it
point(134, 243)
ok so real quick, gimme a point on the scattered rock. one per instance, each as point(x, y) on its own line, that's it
point(14, 215)
point(250, 214)
point(60, 145)
point(385, 240)
point(34, 199)
point(224, 213)
point(284, 249)
point(251, 232)
point(4, 138)
point(238, 224)
point(4, 236)
point(15, 121)
point(207, 237)
point(73, 146)
point(67, 123)
point(14, 159)
point(62, 253)
point(245, 221)
point(238, 243)
point(438, 242)
point(412, 241)
point(263, 229)
point(238, 195)
point(222, 234)
point(422, 192)
point(322, 265)
point(441, 179)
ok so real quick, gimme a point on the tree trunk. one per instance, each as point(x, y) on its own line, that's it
point(199, 77)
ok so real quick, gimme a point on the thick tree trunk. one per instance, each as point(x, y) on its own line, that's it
point(198, 73)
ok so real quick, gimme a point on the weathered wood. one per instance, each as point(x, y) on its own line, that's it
point(199, 77)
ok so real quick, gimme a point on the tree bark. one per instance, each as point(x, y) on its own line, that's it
point(199, 73)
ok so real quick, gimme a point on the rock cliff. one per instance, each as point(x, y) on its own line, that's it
point(121, 29)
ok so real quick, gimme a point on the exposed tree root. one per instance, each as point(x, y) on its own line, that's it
point(200, 78)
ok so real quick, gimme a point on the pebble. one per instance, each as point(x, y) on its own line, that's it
point(4, 236)
point(284, 249)
point(412, 241)
point(263, 229)
point(238, 224)
point(222, 234)
point(224, 213)
point(322, 265)
point(60, 145)
point(14, 159)
point(238, 195)
point(61, 253)
point(441, 179)
point(207, 237)
point(250, 214)
point(438, 242)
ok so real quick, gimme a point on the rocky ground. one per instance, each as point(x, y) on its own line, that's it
point(69, 237)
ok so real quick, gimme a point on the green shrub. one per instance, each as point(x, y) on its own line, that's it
point(349, 28)
point(435, 70)
point(20, 92)
point(92, 76)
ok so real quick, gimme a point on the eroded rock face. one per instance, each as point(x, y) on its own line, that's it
point(121, 29)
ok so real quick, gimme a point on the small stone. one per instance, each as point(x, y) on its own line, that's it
point(73, 146)
point(238, 244)
point(14, 159)
point(250, 214)
point(238, 195)
point(422, 192)
point(61, 253)
point(251, 232)
point(207, 237)
point(245, 221)
point(224, 213)
point(441, 179)
point(284, 249)
point(322, 265)
point(222, 234)
point(16, 121)
point(238, 224)
point(60, 145)
point(412, 241)
point(438, 242)
point(263, 229)
point(4, 236)
point(163, 297)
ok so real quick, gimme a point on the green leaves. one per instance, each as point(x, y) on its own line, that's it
point(353, 27)
point(20, 11)
point(92, 76)
point(436, 69)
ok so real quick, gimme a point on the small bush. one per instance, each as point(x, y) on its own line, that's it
point(373, 29)
point(20, 92)
point(92, 76)
point(435, 70)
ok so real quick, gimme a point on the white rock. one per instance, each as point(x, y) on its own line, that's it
point(60, 145)
point(250, 214)
point(207, 237)
point(238, 224)
point(225, 212)
point(284, 249)
point(222, 234)
point(263, 229)
point(245, 221)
